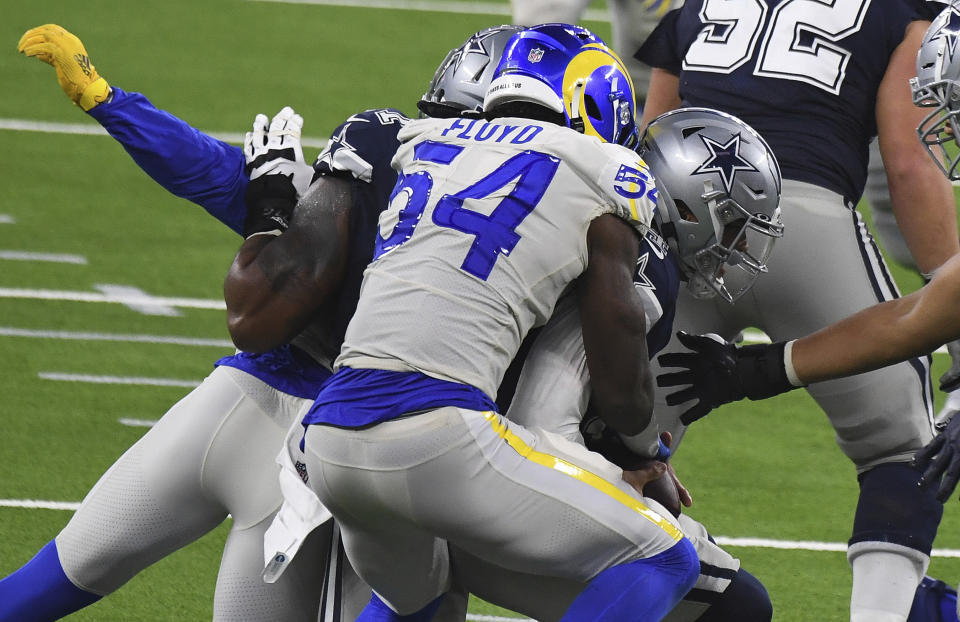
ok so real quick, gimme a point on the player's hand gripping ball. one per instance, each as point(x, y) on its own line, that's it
point(62, 50)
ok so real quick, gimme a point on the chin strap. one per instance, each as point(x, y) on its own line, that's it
point(576, 121)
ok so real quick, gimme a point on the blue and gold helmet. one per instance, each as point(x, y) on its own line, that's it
point(570, 71)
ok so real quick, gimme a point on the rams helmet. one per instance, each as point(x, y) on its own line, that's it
point(568, 70)
point(464, 75)
point(718, 197)
point(937, 86)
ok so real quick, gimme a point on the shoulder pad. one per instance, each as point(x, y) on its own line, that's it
point(362, 144)
point(630, 188)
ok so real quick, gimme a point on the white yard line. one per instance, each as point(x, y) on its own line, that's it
point(50, 257)
point(89, 129)
point(9, 331)
point(472, 8)
point(136, 380)
point(37, 504)
point(789, 545)
point(52, 294)
point(137, 423)
point(7, 219)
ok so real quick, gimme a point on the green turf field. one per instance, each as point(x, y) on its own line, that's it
point(758, 470)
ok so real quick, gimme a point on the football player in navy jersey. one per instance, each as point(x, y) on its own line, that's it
point(818, 82)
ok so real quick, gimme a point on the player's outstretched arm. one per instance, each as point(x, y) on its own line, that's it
point(62, 50)
point(921, 196)
point(181, 158)
point(614, 327)
point(715, 373)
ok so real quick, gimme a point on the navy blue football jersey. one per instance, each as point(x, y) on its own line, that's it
point(803, 73)
point(657, 279)
point(360, 149)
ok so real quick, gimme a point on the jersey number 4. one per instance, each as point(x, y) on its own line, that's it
point(493, 235)
point(799, 42)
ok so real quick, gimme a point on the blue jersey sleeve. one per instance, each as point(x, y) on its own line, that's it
point(179, 157)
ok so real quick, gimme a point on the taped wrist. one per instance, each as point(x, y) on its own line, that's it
point(761, 370)
point(270, 201)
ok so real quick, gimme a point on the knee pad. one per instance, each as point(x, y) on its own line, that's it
point(744, 600)
point(894, 510)
point(935, 601)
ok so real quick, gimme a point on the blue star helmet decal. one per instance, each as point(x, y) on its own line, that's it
point(948, 31)
point(724, 159)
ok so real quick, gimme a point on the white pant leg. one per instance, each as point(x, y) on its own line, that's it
point(546, 598)
point(825, 268)
point(209, 456)
point(402, 488)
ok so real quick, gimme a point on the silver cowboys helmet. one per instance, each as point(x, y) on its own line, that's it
point(937, 86)
point(718, 197)
point(464, 75)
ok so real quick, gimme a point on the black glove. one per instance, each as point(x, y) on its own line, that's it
point(941, 456)
point(601, 438)
point(270, 201)
point(717, 373)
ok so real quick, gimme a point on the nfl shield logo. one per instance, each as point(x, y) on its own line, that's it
point(535, 55)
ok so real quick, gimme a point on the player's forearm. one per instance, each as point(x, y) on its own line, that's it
point(622, 385)
point(263, 291)
point(662, 96)
point(923, 204)
point(614, 328)
point(921, 196)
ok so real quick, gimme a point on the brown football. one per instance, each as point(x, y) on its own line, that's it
point(664, 492)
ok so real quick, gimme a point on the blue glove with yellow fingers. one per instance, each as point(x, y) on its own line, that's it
point(940, 459)
point(61, 49)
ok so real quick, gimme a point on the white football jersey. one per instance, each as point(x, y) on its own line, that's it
point(486, 228)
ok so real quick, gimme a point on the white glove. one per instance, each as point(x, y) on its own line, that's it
point(276, 149)
point(950, 384)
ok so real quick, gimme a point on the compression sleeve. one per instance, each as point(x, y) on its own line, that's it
point(179, 157)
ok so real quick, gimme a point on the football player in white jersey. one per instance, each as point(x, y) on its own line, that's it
point(736, 230)
point(490, 222)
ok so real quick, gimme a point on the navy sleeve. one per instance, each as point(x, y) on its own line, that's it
point(360, 150)
point(179, 157)
point(661, 49)
point(929, 9)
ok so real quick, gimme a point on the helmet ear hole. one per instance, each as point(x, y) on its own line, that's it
point(685, 212)
point(593, 110)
